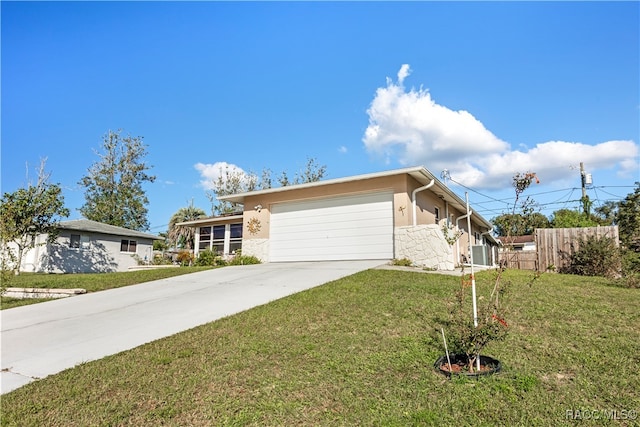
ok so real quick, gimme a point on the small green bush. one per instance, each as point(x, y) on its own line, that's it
point(630, 261)
point(160, 259)
point(244, 260)
point(630, 269)
point(595, 257)
point(403, 262)
point(206, 258)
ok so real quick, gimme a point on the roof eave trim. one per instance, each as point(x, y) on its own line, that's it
point(239, 198)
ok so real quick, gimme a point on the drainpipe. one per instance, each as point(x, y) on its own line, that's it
point(413, 197)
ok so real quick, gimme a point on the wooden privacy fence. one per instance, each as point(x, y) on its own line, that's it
point(522, 260)
point(554, 246)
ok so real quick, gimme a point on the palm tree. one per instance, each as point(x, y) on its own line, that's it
point(180, 235)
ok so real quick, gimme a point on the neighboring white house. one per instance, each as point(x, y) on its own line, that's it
point(519, 243)
point(398, 214)
point(84, 246)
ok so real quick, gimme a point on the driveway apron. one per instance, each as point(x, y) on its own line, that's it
point(43, 339)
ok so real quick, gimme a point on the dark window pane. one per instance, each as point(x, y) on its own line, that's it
point(218, 247)
point(132, 245)
point(124, 246)
point(205, 231)
point(234, 246)
point(218, 232)
point(236, 231)
point(75, 241)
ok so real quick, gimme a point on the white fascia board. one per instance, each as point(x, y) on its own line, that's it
point(239, 198)
point(211, 220)
point(420, 173)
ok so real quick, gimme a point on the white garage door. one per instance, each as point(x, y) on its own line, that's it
point(341, 228)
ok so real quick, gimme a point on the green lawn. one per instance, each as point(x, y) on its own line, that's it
point(360, 351)
point(91, 282)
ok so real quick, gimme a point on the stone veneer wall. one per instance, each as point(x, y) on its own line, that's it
point(259, 248)
point(425, 246)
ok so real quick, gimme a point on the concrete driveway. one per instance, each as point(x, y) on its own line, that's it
point(43, 339)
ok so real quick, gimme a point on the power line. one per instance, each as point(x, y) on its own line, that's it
point(563, 201)
point(475, 191)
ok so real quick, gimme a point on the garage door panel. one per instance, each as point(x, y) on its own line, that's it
point(355, 227)
point(338, 253)
point(337, 213)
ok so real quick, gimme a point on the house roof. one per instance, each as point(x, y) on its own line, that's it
point(213, 219)
point(99, 227)
point(421, 174)
point(517, 240)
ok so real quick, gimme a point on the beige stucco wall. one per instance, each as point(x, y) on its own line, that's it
point(261, 218)
point(257, 221)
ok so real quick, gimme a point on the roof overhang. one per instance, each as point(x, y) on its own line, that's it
point(419, 173)
point(89, 226)
point(211, 220)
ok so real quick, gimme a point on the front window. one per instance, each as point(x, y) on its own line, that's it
point(205, 238)
point(78, 241)
point(235, 238)
point(218, 239)
point(128, 245)
point(223, 239)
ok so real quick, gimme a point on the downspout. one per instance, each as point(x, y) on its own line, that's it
point(413, 197)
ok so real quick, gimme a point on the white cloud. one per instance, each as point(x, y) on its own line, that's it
point(410, 127)
point(405, 70)
point(342, 149)
point(209, 172)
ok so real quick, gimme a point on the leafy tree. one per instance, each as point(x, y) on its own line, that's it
point(161, 244)
point(114, 193)
point(567, 218)
point(606, 213)
point(183, 236)
point(537, 220)
point(627, 218)
point(519, 225)
point(313, 172)
point(234, 181)
point(509, 225)
point(525, 220)
point(27, 213)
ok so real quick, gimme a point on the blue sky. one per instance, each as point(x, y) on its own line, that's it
point(481, 89)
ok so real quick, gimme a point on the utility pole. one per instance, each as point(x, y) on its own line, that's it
point(585, 199)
